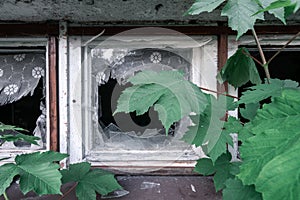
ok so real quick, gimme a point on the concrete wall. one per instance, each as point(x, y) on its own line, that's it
point(109, 11)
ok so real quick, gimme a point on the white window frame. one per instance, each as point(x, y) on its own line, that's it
point(72, 137)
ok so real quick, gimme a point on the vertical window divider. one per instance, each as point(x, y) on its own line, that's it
point(53, 94)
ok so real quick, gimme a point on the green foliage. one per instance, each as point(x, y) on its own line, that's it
point(235, 190)
point(164, 91)
point(280, 9)
point(296, 4)
point(272, 144)
point(279, 179)
point(203, 6)
point(271, 139)
point(19, 136)
point(208, 130)
point(242, 14)
point(37, 171)
point(250, 110)
point(277, 8)
point(239, 69)
point(89, 181)
point(7, 173)
point(261, 92)
point(222, 169)
point(4, 127)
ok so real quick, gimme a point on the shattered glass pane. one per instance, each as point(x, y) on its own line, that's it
point(109, 63)
point(111, 69)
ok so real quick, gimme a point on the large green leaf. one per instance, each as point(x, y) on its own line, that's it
point(208, 130)
point(276, 128)
point(239, 69)
point(260, 92)
point(240, 15)
point(173, 97)
point(89, 181)
point(222, 169)
point(7, 173)
point(279, 179)
point(235, 190)
point(203, 6)
point(37, 171)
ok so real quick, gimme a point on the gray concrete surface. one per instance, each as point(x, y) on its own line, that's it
point(144, 188)
point(112, 11)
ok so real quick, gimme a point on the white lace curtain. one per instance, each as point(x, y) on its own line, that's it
point(19, 75)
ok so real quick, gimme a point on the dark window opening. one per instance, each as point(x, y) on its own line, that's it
point(285, 65)
point(24, 112)
point(106, 99)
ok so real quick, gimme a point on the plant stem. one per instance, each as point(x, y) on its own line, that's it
point(68, 192)
point(282, 48)
point(5, 196)
point(262, 55)
point(220, 93)
point(247, 54)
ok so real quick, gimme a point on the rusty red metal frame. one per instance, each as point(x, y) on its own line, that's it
point(53, 94)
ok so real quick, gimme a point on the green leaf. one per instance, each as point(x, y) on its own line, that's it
point(89, 181)
point(231, 104)
point(297, 5)
point(233, 125)
point(164, 90)
point(239, 69)
point(276, 127)
point(37, 172)
point(208, 130)
point(260, 92)
point(4, 127)
point(203, 6)
point(276, 8)
point(289, 10)
point(221, 169)
point(245, 132)
point(7, 173)
point(205, 167)
point(20, 136)
point(240, 15)
point(279, 179)
point(250, 110)
point(235, 190)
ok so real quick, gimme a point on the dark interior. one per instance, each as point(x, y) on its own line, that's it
point(24, 112)
point(105, 112)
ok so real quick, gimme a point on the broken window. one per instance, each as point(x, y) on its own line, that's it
point(123, 139)
point(23, 93)
point(130, 131)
